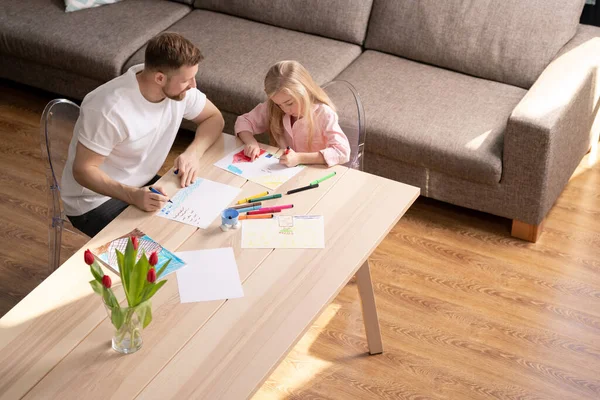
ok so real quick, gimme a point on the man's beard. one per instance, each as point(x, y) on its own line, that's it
point(177, 97)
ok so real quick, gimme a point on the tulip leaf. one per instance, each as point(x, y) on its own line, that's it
point(152, 289)
point(109, 298)
point(116, 316)
point(144, 312)
point(138, 280)
point(121, 263)
point(97, 271)
point(127, 271)
point(162, 269)
point(97, 286)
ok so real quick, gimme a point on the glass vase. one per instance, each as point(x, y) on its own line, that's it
point(128, 324)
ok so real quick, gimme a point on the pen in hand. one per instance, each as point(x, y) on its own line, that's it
point(157, 192)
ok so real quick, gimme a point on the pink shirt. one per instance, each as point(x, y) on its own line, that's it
point(328, 137)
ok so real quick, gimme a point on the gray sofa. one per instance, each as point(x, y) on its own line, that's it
point(483, 104)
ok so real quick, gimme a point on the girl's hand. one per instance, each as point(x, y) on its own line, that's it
point(252, 150)
point(291, 159)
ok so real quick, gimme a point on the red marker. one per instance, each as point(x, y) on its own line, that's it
point(287, 150)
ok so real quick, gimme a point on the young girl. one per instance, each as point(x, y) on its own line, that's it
point(299, 117)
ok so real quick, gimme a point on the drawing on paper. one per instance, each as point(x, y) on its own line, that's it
point(146, 245)
point(284, 232)
point(200, 203)
point(265, 170)
point(240, 157)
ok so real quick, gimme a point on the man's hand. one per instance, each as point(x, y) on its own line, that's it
point(188, 164)
point(145, 200)
point(291, 159)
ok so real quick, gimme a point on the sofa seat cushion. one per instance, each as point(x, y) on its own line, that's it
point(238, 53)
point(432, 117)
point(93, 43)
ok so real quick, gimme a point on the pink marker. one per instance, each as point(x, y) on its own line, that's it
point(262, 211)
point(268, 210)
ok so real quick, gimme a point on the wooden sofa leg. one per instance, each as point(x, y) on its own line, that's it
point(527, 232)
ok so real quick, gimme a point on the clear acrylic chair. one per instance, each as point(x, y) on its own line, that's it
point(351, 117)
point(56, 131)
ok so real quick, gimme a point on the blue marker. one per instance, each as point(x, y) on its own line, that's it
point(157, 192)
point(251, 208)
point(176, 171)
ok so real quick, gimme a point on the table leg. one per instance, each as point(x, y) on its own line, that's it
point(365, 289)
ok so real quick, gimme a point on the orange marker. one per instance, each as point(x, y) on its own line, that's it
point(260, 216)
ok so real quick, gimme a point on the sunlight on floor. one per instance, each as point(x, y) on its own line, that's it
point(593, 156)
point(588, 162)
point(299, 367)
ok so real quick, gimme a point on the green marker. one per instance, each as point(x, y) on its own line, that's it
point(273, 196)
point(323, 178)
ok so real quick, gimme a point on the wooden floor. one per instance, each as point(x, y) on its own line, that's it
point(466, 311)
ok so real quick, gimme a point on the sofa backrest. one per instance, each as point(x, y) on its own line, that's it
point(337, 19)
point(509, 41)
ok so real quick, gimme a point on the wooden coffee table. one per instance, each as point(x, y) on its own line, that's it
point(56, 342)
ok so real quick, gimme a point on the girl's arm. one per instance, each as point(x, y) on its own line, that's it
point(338, 147)
point(337, 150)
point(292, 158)
point(255, 121)
point(250, 124)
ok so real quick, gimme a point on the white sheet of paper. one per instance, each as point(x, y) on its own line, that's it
point(209, 275)
point(265, 170)
point(200, 203)
point(284, 232)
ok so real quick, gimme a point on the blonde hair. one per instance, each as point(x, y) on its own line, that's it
point(293, 79)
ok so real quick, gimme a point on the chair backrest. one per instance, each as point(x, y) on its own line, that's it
point(351, 115)
point(56, 130)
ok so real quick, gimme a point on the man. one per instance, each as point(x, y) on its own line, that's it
point(126, 129)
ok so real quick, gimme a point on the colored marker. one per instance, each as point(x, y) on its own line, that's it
point(157, 192)
point(287, 150)
point(246, 205)
point(301, 189)
point(323, 178)
point(247, 199)
point(176, 171)
point(273, 196)
point(263, 211)
point(277, 208)
point(272, 209)
point(246, 209)
point(260, 216)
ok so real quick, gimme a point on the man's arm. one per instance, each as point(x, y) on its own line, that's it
point(87, 172)
point(210, 126)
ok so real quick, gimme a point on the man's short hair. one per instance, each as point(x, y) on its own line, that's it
point(170, 51)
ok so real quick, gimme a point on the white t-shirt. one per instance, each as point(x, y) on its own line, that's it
point(134, 135)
